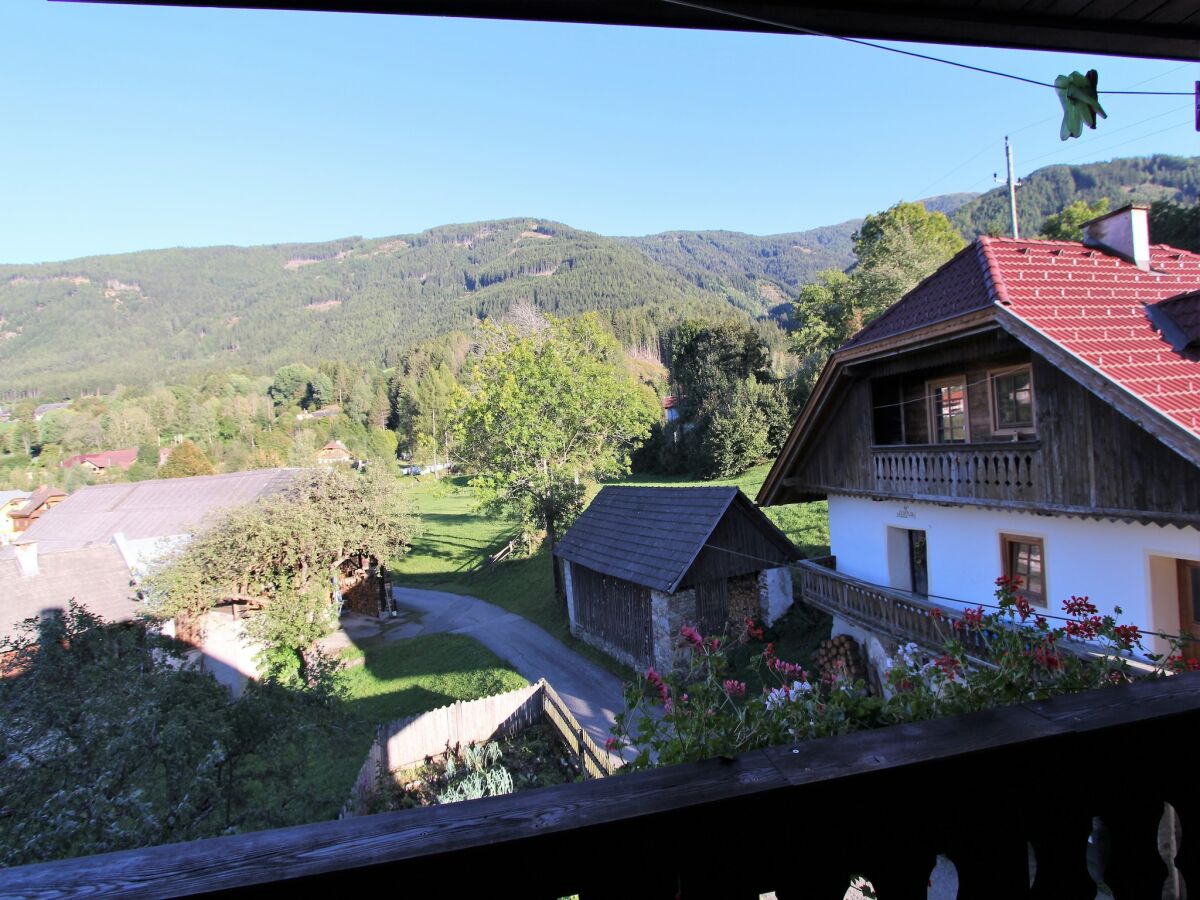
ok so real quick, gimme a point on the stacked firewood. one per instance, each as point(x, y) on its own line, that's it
point(840, 654)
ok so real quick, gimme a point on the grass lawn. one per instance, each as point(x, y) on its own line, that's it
point(456, 536)
point(399, 679)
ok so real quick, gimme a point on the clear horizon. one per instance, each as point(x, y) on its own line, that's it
point(137, 128)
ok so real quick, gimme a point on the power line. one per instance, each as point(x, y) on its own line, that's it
point(948, 62)
point(1109, 133)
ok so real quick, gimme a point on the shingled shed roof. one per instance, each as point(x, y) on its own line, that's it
point(652, 536)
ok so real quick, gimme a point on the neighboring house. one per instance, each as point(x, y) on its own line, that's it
point(669, 407)
point(42, 500)
point(94, 544)
point(1031, 409)
point(640, 563)
point(101, 462)
point(40, 411)
point(334, 453)
point(10, 502)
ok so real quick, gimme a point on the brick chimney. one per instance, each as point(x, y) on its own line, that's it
point(27, 558)
point(1124, 232)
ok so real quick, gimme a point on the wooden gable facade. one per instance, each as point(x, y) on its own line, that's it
point(872, 436)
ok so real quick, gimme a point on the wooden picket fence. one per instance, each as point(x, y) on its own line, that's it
point(406, 743)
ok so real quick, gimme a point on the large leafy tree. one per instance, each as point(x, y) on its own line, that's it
point(282, 552)
point(709, 358)
point(1175, 224)
point(896, 249)
point(1067, 225)
point(186, 460)
point(109, 743)
point(547, 410)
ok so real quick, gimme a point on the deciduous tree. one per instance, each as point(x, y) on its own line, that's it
point(546, 411)
point(185, 461)
point(282, 551)
point(896, 249)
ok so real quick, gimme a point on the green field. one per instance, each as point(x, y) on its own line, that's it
point(456, 536)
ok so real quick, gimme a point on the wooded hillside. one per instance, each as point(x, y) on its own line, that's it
point(90, 324)
point(1047, 191)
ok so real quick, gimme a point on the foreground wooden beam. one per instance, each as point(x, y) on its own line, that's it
point(797, 820)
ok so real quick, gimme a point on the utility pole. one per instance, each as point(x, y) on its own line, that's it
point(1013, 184)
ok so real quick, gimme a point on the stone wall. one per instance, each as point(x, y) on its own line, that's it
point(668, 614)
point(876, 647)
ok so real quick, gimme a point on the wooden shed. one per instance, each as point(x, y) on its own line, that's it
point(640, 563)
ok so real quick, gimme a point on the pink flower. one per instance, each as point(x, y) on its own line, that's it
point(692, 636)
point(611, 745)
point(735, 688)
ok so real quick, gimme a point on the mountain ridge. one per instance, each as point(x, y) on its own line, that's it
point(94, 322)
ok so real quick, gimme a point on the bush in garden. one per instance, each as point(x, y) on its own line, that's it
point(702, 712)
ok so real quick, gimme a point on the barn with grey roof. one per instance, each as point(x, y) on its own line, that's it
point(640, 563)
point(93, 545)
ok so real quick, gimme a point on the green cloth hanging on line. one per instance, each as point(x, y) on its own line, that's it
point(1077, 94)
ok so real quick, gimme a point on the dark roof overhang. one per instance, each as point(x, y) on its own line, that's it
point(1154, 30)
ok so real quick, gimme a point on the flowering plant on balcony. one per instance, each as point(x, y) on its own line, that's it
point(701, 711)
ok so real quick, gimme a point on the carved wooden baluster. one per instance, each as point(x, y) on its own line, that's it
point(1186, 804)
point(992, 860)
point(1135, 869)
point(1060, 845)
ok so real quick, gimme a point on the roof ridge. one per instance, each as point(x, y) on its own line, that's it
point(992, 276)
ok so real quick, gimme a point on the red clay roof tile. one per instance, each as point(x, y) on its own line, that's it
point(1088, 302)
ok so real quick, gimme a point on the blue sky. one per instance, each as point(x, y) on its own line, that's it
point(132, 128)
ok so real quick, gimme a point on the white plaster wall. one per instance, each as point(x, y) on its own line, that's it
point(1113, 563)
point(776, 585)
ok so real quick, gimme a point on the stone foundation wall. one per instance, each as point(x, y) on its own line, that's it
point(668, 614)
point(876, 647)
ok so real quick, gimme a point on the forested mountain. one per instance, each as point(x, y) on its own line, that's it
point(1048, 190)
point(163, 315)
point(90, 323)
point(770, 268)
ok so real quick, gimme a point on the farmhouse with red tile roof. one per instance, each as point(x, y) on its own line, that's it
point(104, 460)
point(1030, 409)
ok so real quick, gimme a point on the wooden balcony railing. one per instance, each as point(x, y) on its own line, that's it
point(797, 820)
point(900, 614)
point(970, 472)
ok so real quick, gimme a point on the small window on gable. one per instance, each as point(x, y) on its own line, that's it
point(1025, 558)
point(1012, 400)
point(948, 410)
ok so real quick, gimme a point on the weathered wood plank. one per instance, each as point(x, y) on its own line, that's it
point(550, 834)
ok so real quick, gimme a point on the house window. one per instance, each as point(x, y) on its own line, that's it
point(948, 410)
point(1012, 400)
point(1025, 558)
